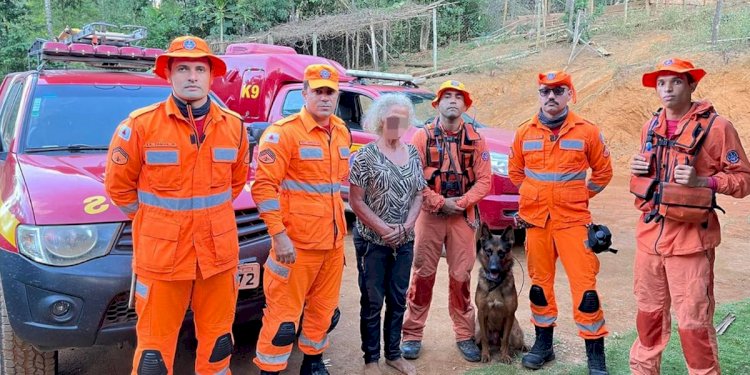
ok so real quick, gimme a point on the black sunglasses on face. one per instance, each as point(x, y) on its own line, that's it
point(559, 90)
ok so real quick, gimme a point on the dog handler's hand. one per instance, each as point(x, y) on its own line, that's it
point(685, 175)
point(284, 249)
point(638, 165)
point(450, 207)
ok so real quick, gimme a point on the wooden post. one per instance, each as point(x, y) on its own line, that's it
point(717, 20)
point(434, 38)
point(505, 12)
point(346, 51)
point(625, 19)
point(538, 9)
point(544, 21)
point(269, 38)
point(591, 7)
point(385, 45)
point(570, 9)
point(373, 47)
point(315, 44)
point(356, 52)
point(576, 36)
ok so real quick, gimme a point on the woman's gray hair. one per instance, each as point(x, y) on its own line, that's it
point(373, 121)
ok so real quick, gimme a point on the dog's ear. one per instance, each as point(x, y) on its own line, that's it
point(485, 233)
point(508, 235)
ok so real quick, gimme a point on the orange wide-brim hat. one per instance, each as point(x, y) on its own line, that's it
point(452, 85)
point(189, 47)
point(673, 65)
point(557, 78)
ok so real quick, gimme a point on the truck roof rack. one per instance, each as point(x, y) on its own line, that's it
point(389, 78)
point(97, 44)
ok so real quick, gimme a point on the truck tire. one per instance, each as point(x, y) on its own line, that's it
point(18, 357)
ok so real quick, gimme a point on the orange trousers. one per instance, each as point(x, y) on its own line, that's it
point(687, 281)
point(432, 232)
point(161, 307)
point(543, 246)
point(310, 285)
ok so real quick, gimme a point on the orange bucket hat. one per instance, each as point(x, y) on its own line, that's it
point(452, 85)
point(557, 78)
point(322, 75)
point(189, 47)
point(673, 65)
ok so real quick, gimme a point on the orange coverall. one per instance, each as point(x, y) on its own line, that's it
point(551, 172)
point(179, 195)
point(455, 232)
point(674, 261)
point(297, 188)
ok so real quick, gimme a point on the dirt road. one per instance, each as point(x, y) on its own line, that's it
point(440, 356)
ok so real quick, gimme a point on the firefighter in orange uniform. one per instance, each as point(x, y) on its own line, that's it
point(174, 168)
point(687, 150)
point(550, 156)
point(303, 160)
point(457, 169)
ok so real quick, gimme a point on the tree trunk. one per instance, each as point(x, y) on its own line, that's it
point(374, 48)
point(424, 35)
point(625, 19)
point(505, 12)
point(434, 38)
point(385, 44)
point(717, 20)
point(48, 17)
point(570, 10)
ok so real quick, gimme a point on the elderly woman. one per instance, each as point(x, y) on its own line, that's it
point(386, 182)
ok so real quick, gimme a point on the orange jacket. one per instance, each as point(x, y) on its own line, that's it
point(178, 193)
point(722, 157)
point(433, 201)
point(551, 172)
point(298, 181)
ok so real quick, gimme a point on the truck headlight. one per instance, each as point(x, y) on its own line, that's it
point(65, 245)
point(499, 163)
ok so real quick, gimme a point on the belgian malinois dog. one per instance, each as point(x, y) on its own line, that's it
point(496, 296)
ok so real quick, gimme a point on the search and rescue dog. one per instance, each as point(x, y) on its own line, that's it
point(496, 297)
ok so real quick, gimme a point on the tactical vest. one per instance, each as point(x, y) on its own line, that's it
point(459, 177)
point(661, 196)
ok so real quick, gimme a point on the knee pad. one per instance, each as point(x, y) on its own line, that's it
point(536, 296)
point(286, 334)
point(152, 363)
point(222, 348)
point(334, 320)
point(589, 302)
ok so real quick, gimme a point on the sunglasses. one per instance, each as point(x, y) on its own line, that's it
point(558, 91)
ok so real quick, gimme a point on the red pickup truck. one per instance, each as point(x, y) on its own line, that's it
point(264, 84)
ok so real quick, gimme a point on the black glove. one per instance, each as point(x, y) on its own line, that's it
point(600, 239)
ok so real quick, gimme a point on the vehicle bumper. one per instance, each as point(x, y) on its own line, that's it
point(97, 292)
point(498, 210)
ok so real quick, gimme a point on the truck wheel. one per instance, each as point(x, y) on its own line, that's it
point(18, 357)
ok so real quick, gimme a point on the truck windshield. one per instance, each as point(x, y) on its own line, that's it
point(82, 117)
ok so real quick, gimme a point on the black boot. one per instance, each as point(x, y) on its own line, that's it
point(541, 352)
point(313, 365)
point(595, 354)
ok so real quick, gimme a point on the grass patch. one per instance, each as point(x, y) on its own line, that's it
point(734, 346)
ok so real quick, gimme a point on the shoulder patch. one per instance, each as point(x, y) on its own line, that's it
point(144, 110)
point(124, 132)
point(733, 157)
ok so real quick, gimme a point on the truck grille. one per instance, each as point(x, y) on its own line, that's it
point(250, 228)
point(118, 311)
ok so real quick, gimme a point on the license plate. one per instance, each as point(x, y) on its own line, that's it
point(248, 275)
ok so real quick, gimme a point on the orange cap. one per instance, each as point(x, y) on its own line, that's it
point(557, 78)
point(189, 47)
point(452, 85)
point(673, 65)
point(322, 75)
